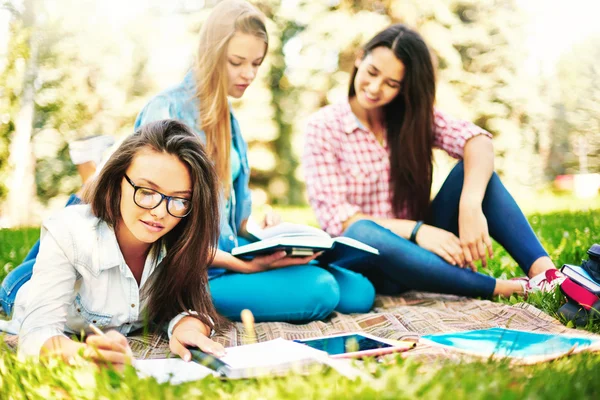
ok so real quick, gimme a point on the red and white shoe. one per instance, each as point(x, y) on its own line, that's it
point(545, 282)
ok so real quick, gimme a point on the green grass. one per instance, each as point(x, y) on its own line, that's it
point(565, 234)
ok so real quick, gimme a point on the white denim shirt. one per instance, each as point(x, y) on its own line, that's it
point(80, 276)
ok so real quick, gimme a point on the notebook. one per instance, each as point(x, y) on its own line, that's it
point(274, 357)
point(301, 241)
point(502, 342)
point(581, 277)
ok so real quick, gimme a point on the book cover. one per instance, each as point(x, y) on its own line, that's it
point(581, 277)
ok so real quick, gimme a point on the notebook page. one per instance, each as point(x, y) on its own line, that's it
point(269, 354)
point(173, 370)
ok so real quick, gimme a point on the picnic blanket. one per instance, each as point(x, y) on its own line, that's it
point(393, 318)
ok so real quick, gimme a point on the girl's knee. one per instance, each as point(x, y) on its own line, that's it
point(358, 296)
point(362, 229)
point(322, 295)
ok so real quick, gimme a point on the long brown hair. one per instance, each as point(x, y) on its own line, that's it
point(180, 281)
point(227, 18)
point(408, 120)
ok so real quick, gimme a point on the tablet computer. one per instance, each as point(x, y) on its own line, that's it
point(356, 344)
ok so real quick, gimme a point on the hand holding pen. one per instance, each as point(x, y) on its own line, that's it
point(107, 348)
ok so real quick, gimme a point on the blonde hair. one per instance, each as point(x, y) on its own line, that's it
point(227, 18)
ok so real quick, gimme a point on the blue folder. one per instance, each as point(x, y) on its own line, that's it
point(510, 343)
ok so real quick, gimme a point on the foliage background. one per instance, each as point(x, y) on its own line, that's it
point(88, 67)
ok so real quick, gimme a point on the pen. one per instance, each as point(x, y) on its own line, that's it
point(210, 361)
point(96, 330)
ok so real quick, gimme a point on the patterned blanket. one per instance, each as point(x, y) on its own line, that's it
point(413, 314)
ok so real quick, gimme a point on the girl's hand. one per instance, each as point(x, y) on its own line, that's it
point(443, 243)
point(110, 348)
point(279, 259)
point(474, 235)
point(271, 218)
point(190, 332)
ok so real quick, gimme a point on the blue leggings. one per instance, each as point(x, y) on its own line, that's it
point(403, 265)
point(294, 294)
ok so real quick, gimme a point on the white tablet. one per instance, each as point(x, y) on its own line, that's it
point(357, 344)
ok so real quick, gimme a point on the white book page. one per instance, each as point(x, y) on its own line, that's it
point(173, 370)
point(317, 243)
point(269, 354)
point(285, 229)
point(355, 243)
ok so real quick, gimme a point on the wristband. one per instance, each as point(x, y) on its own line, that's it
point(413, 235)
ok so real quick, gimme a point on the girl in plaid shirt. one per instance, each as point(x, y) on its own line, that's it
point(368, 169)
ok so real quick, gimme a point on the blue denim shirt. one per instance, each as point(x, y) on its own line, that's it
point(180, 103)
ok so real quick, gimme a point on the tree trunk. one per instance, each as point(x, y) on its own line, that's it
point(21, 198)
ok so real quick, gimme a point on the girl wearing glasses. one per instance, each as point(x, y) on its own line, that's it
point(233, 45)
point(138, 251)
point(368, 168)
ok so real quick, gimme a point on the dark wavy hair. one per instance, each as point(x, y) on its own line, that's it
point(180, 281)
point(408, 120)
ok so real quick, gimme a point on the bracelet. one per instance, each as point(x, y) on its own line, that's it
point(413, 235)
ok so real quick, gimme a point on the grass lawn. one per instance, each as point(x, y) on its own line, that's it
point(565, 234)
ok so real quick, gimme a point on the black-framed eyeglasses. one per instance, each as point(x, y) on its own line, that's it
point(149, 199)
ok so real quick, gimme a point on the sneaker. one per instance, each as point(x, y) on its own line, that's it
point(546, 281)
point(90, 148)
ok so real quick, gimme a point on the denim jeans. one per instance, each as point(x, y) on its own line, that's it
point(403, 265)
point(22, 273)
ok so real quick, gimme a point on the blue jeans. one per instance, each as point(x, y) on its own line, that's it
point(22, 273)
point(403, 265)
point(293, 294)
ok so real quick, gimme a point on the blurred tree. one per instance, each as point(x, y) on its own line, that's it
point(577, 126)
point(11, 83)
point(477, 46)
point(72, 90)
point(21, 197)
point(298, 81)
point(282, 183)
point(91, 79)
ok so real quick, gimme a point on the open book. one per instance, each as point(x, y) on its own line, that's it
point(274, 357)
point(300, 241)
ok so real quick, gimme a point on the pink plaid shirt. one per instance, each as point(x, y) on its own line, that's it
point(347, 170)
